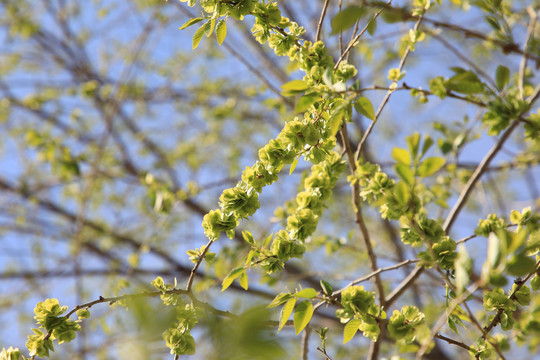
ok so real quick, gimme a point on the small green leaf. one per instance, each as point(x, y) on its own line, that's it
point(305, 102)
point(280, 299)
point(293, 165)
point(336, 120)
point(502, 76)
point(230, 278)
point(350, 329)
point(413, 142)
point(401, 156)
point(302, 315)
point(363, 106)
point(286, 312)
point(346, 18)
point(520, 265)
point(430, 166)
point(428, 143)
point(221, 31)
point(535, 283)
point(244, 282)
point(294, 87)
point(210, 29)
point(405, 173)
point(191, 22)
point(308, 293)
point(199, 33)
point(327, 289)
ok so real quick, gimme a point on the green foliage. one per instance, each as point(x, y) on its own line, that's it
point(311, 119)
point(402, 324)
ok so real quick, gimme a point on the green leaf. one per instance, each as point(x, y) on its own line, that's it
point(191, 22)
point(520, 265)
point(351, 329)
point(401, 156)
point(465, 82)
point(430, 166)
point(308, 293)
point(346, 18)
point(294, 87)
point(280, 299)
point(428, 142)
point(293, 165)
point(286, 313)
point(244, 282)
point(305, 102)
point(199, 33)
point(210, 29)
point(502, 76)
point(405, 173)
point(363, 106)
point(535, 283)
point(336, 120)
point(413, 142)
point(327, 289)
point(230, 278)
point(221, 31)
point(302, 315)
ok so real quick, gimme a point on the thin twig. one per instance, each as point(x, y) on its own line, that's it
point(357, 37)
point(523, 63)
point(387, 96)
point(197, 264)
point(359, 218)
point(454, 342)
point(305, 341)
point(321, 19)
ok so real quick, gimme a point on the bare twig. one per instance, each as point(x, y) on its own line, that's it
point(321, 19)
point(357, 37)
point(197, 264)
point(453, 342)
point(523, 62)
point(386, 97)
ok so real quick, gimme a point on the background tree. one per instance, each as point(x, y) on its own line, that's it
point(374, 165)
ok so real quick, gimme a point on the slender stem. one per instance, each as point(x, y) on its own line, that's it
point(197, 264)
point(321, 19)
point(454, 342)
point(523, 63)
point(358, 215)
point(387, 96)
point(357, 37)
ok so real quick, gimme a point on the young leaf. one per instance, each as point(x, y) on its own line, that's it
point(364, 107)
point(302, 315)
point(502, 76)
point(405, 173)
point(350, 329)
point(401, 156)
point(294, 87)
point(327, 288)
point(244, 282)
point(199, 33)
point(210, 29)
point(191, 22)
point(286, 312)
point(221, 31)
point(346, 18)
point(430, 166)
point(230, 278)
point(305, 102)
point(308, 293)
point(293, 165)
point(280, 299)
